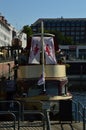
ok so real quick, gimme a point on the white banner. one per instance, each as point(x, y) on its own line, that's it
point(49, 50)
point(34, 57)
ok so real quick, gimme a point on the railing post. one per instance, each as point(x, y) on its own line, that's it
point(84, 118)
point(48, 120)
point(75, 111)
point(78, 111)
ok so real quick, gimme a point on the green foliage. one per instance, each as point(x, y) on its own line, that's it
point(68, 41)
point(62, 40)
point(67, 65)
point(27, 29)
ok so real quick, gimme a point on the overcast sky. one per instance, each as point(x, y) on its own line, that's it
point(26, 12)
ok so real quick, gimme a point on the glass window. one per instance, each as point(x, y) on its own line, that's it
point(82, 53)
point(77, 28)
point(72, 28)
point(77, 33)
point(67, 28)
point(82, 33)
point(82, 28)
point(72, 33)
point(62, 28)
point(77, 37)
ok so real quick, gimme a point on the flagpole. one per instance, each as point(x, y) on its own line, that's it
point(43, 67)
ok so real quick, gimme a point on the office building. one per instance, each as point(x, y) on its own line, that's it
point(75, 28)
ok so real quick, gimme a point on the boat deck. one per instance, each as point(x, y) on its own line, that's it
point(55, 125)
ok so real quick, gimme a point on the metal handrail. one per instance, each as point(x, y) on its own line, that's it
point(82, 114)
point(32, 124)
point(21, 111)
point(75, 110)
point(11, 115)
point(11, 108)
point(43, 112)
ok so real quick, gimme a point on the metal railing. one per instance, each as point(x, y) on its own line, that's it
point(82, 114)
point(35, 115)
point(38, 123)
point(79, 112)
point(12, 106)
point(75, 110)
point(11, 117)
point(20, 111)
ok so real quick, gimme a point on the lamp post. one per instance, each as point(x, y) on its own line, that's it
point(16, 65)
point(8, 71)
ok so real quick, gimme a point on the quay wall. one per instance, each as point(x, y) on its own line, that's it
point(6, 68)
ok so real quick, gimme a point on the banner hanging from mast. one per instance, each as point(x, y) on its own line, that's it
point(34, 57)
point(49, 50)
point(41, 80)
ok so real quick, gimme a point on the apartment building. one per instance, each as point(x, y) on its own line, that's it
point(5, 32)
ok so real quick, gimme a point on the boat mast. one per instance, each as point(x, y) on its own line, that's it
point(43, 67)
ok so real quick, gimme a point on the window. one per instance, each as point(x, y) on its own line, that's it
point(82, 28)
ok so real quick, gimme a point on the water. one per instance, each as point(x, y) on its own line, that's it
point(79, 97)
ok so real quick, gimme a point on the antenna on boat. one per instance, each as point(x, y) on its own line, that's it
point(43, 67)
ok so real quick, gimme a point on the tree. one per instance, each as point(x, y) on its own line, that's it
point(68, 41)
point(27, 29)
point(59, 37)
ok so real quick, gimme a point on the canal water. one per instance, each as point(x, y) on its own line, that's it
point(79, 97)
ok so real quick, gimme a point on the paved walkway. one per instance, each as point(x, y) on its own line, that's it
point(54, 126)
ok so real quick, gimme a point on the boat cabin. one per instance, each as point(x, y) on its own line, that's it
point(40, 69)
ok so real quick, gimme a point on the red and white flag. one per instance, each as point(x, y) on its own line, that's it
point(34, 57)
point(41, 80)
point(49, 50)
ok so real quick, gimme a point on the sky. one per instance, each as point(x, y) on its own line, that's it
point(25, 12)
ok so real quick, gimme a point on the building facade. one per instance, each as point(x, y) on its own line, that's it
point(75, 28)
point(71, 27)
point(74, 52)
point(5, 32)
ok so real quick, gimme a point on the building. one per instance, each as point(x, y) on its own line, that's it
point(71, 27)
point(5, 32)
point(74, 52)
point(75, 28)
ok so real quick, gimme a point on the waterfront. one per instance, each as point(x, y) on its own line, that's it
point(77, 96)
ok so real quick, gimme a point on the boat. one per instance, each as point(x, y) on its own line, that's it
point(40, 76)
